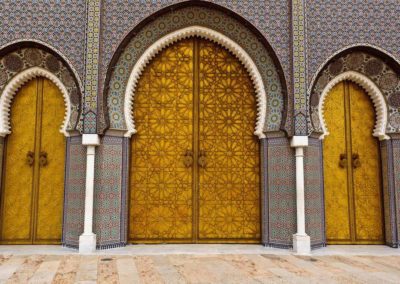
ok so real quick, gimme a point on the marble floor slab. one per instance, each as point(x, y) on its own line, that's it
point(200, 249)
point(70, 267)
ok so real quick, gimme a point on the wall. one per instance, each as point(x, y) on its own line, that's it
point(110, 198)
point(74, 196)
point(396, 171)
point(314, 192)
point(59, 24)
point(271, 18)
point(280, 192)
point(336, 24)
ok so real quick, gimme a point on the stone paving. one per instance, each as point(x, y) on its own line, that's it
point(251, 267)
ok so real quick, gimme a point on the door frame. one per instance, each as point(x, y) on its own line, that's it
point(261, 137)
point(10, 90)
point(379, 131)
point(249, 65)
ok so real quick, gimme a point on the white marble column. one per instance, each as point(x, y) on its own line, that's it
point(301, 241)
point(87, 241)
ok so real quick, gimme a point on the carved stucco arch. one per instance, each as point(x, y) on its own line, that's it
point(54, 51)
point(209, 34)
point(15, 84)
point(344, 49)
point(381, 109)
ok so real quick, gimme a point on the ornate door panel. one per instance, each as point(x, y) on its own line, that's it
point(161, 185)
point(353, 201)
point(229, 183)
point(51, 177)
point(17, 188)
point(194, 160)
point(366, 176)
point(32, 191)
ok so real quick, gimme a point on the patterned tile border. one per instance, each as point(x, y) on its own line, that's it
point(374, 68)
point(389, 199)
point(396, 175)
point(281, 191)
point(92, 65)
point(25, 56)
point(74, 192)
point(209, 18)
point(299, 67)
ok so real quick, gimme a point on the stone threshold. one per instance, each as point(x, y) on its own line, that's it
point(200, 249)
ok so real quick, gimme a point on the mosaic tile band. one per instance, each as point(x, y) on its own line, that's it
point(204, 17)
point(20, 59)
point(60, 24)
point(371, 66)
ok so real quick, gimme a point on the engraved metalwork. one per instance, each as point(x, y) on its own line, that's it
point(32, 196)
point(195, 94)
point(353, 197)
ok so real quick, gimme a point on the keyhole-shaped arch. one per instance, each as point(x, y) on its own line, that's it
point(381, 109)
point(209, 34)
point(16, 83)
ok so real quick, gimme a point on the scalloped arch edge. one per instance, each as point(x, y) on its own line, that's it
point(378, 100)
point(209, 34)
point(15, 84)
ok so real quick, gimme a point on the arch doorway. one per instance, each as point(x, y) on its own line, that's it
point(33, 175)
point(195, 169)
point(352, 171)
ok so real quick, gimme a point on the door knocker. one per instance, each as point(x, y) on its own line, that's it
point(188, 158)
point(202, 159)
point(343, 161)
point(43, 159)
point(356, 161)
point(30, 158)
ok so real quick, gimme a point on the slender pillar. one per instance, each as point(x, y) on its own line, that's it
point(87, 241)
point(301, 241)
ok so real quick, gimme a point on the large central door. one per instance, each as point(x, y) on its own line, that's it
point(33, 175)
point(194, 160)
point(353, 195)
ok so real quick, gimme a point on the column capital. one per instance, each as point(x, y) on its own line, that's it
point(90, 139)
point(299, 141)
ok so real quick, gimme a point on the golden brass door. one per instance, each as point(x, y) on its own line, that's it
point(33, 177)
point(353, 195)
point(194, 160)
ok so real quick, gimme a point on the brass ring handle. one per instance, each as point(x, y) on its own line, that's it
point(356, 161)
point(202, 162)
point(188, 158)
point(30, 158)
point(343, 160)
point(43, 159)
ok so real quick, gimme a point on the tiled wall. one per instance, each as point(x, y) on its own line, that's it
point(314, 192)
point(59, 24)
point(335, 24)
point(110, 198)
point(74, 196)
point(281, 192)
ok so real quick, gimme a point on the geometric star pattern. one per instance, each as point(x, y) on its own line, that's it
point(195, 96)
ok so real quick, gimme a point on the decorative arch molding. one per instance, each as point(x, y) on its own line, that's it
point(54, 50)
point(21, 61)
point(139, 47)
point(347, 48)
point(15, 84)
point(373, 71)
point(372, 90)
point(205, 33)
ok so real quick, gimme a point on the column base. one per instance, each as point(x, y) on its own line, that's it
point(301, 244)
point(87, 243)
